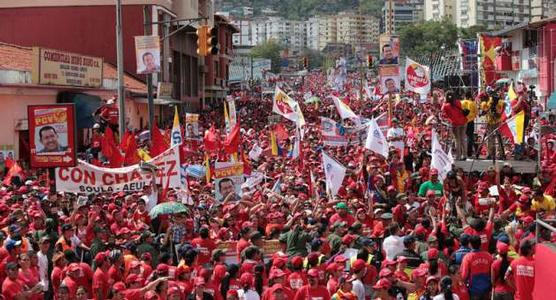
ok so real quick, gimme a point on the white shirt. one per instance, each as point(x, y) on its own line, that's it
point(43, 270)
point(248, 295)
point(358, 289)
point(396, 133)
point(441, 297)
point(392, 245)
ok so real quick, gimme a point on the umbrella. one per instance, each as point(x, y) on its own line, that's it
point(168, 208)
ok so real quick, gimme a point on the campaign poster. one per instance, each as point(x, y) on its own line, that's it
point(233, 112)
point(228, 178)
point(147, 53)
point(333, 133)
point(389, 50)
point(389, 79)
point(192, 127)
point(52, 135)
point(90, 179)
point(417, 77)
point(7, 152)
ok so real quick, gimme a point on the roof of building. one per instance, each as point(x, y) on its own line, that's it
point(20, 58)
point(227, 22)
point(522, 25)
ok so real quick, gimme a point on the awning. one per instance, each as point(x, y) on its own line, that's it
point(158, 101)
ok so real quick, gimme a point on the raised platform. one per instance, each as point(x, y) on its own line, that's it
point(519, 166)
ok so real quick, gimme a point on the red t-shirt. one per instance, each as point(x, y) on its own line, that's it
point(454, 113)
point(296, 280)
point(72, 286)
point(11, 288)
point(349, 219)
point(101, 282)
point(485, 234)
point(500, 285)
point(241, 244)
point(205, 247)
point(308, 293)
point(523, 271)
point(110, 113)
point(56, 278)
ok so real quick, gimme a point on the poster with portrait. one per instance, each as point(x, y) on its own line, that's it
point(228, 178)
point(389, 50)
point(333, 133)
point(417, 77)
point(7, 152)
point(52, 135)
point(389, 79)
point(192, 127)
point(147, 53)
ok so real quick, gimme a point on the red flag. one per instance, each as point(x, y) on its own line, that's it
point(211, 140)
point(107, 142)
point(15, 170)
point(131, 156)
point(280, 132)
point(231, 144)
point(158, 143)
point(9, 163)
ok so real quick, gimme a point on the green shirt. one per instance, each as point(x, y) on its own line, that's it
point(428, 185)
point(296, 241)
point(335, 242)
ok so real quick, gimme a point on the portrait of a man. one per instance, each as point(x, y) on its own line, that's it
point(388, 57)
point(149, 63)
point(49, 139)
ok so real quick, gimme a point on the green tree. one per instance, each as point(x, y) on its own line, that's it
point(427, 37)
point(270, 50)
point(314, 56)
point(471, 32)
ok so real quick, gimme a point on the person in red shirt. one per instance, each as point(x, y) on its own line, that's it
point(109, 112)
point(478, 227)
point(454, 113)
point(342, 215)
point(475, 270)
point(13, 288)
point(297, 278)
point(101, 280)
point(502, 290)
point(205, 245)
point(73, 272)
point(246, 228)
point(521, 273)
point(312, 291)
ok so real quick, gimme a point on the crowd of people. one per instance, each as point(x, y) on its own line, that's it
point(394, 230)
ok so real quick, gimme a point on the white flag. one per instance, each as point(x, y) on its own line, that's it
point(440, 160)
point(343, 109)
point(376, 141)
point(176, 130)
point(334, 173)
point(285, 106)
point(294, 153)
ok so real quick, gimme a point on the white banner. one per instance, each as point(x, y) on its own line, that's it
point(376, 141)
point(417, 77)
point(333, 134)
point(89, 179)
point(440, 160)
point(334, 172)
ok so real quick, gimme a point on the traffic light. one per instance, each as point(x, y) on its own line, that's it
point(369, 61)
point(202, 46)
point(212, 41)
point(306, 62)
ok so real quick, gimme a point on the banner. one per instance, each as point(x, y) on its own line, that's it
point(389, 79)
point(90, 179)
point(228, 178)
point(233, 112)
point(147, 54)
point(285, 106)
point(417, 77)
point(440, 160)
point(7, 152)
point(344, 110)
point(52, 135)
point(333, 133)
point(487, 56)
point(192, 127)
point(255, 152)
point(389, 50)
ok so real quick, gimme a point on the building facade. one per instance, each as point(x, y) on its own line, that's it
point(494, 14)
point(438, 10)
point(400, 15)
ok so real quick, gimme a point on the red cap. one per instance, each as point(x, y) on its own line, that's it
point(358, 265)
point(502, 248)
point(382, 284)
point(297, 261)
point(119, 287)
point(401, 259)
point(388, 262)
point(183, 269)
point(74, 267)
point(419, 272)
point(391, 188)
point(246, 279)
point(340, 259)
point(434, 171)
point(523, 199)
point(430, 193)
point(276, 273)
point(348, 239)
point(431, 278)
point(385, 272)
point(313, 272)
point(163, 268)
point(150, 295)
point(232, 293)
point(432, 253)
point(174, 291)
point(100, 258)
point(199, 281)
point(420, 229)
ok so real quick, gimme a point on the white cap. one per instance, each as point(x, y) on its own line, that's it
point(110, 101)
point(96, 126)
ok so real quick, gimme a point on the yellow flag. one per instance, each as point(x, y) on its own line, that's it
point(143, 155)
point(207, 170)
point(273, 144)
point(511, 92)
point(226, 117)
point(519, 125)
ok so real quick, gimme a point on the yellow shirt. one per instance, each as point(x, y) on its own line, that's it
point(472, 107)
point(491, 119)
point(547, 204)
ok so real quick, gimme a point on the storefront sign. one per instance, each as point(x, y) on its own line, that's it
point(164, 90)
point(63, 68)
point(89, 179)
point(52, 135)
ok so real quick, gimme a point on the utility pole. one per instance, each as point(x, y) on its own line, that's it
point(390, 15)
point(150, 100)
point(120, 66)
